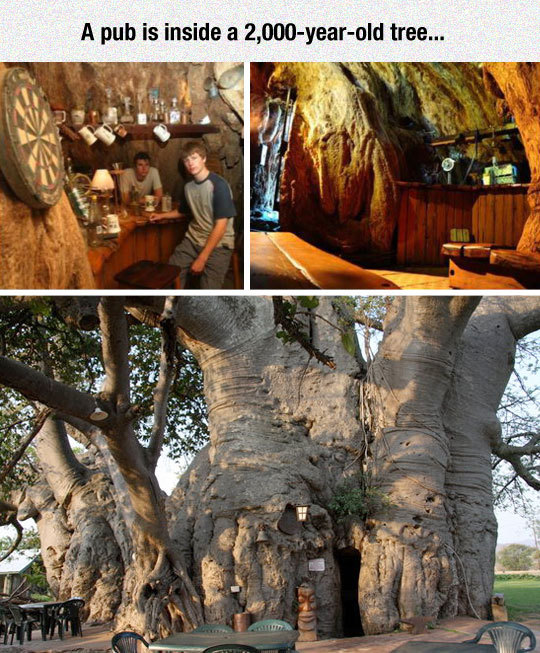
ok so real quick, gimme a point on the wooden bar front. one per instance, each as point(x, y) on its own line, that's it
point(139, 240)
point(427, 213)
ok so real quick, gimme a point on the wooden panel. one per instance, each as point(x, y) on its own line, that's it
point(402, 229)
point(139, 240)
point(428, 213)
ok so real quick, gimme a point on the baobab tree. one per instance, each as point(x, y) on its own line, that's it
point(290, 419)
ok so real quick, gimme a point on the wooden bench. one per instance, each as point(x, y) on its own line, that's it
point(485, 266)
point(282, 260)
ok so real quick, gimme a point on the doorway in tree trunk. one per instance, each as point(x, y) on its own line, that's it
point(268, 152)
point(349, 569)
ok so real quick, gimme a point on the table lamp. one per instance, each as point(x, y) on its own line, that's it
point(103, 182)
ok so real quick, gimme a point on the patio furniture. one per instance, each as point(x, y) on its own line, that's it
point(54, 619)
point(41, 611)
point(506, 636)
point(70, 613)
point(213, 628)
point(19, 624)
point(126, 642)
point(281, 640)
point(270, 624)
point(231, 648)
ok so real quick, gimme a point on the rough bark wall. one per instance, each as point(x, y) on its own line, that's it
point(359, 127)
point(520, 85)
point(282, 432)
point(41, 248)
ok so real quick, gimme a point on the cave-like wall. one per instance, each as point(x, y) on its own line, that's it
point(44, 249)
point(358, 128)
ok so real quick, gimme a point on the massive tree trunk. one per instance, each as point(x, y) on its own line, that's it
point(420, 423)
point(79, 527)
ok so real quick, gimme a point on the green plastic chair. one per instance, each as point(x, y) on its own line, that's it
point(126, 642)
point(506, 636)
point(213, 628)
point(271, 624)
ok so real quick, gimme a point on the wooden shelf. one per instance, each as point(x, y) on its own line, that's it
point(146, 132)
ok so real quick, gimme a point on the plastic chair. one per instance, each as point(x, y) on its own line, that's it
point(271, 624)
point(506, 636)
point(126, 642)
point(213, 628)
point(20, 623)
point(55, 618)
point(231, 648)
point(70, 613)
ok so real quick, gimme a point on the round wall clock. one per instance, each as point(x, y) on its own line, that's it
point(30, 150)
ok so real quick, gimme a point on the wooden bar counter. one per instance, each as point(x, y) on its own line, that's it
point(139, 239)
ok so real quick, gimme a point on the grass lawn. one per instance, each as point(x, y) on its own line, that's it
point(521, 594)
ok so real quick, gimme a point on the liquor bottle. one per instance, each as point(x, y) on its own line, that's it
point(94, 223)
point(142, 109)
point(174, 112)
point(110, 112)
point(126, 116)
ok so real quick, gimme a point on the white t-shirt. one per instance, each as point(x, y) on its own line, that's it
point(147, 186)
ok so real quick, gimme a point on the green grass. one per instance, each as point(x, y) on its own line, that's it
point(521, 594)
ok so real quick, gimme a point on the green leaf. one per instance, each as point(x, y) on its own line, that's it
point(348, 340)
point(308, 302)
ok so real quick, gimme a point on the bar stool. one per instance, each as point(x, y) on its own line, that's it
point(147, 275)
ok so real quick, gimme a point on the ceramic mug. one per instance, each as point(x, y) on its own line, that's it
point(113, 226)
point(121, 131)
point(59, 116)
point(105, 134)
point(150, 203)
point(87, 132)
point(162, 132)
point(77, 117)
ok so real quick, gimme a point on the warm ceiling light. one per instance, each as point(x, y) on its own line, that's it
point(302, 513)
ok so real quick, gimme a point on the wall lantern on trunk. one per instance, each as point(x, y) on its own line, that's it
point(302, 513)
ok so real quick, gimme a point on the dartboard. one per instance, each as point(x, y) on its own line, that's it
point(30, 150)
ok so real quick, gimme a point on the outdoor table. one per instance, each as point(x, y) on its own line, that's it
point(197, 642)
point(43, 611)
point(443, 647)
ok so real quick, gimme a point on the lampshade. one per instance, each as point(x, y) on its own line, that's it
point(102, 180)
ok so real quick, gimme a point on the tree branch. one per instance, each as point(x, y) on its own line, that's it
point(40, 420)
point(165, 379)
point(115, 347)
point(37, 386)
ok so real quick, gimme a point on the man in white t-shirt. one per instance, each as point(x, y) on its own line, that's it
point(142, 178)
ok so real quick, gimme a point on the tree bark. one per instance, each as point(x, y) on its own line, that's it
point(520, 84)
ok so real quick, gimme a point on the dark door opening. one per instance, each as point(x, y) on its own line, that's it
point(349, 568)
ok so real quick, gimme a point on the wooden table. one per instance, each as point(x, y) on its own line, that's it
point(282, 260)
point(483, 266)
point(139, 240)
point(280, 640)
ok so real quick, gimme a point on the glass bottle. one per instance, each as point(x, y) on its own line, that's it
point(174, 112)
point(110, 113)
point(127, 116)
point(142, 109)
point(94, 223)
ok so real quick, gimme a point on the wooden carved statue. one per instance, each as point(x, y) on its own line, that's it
point(307, 616)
